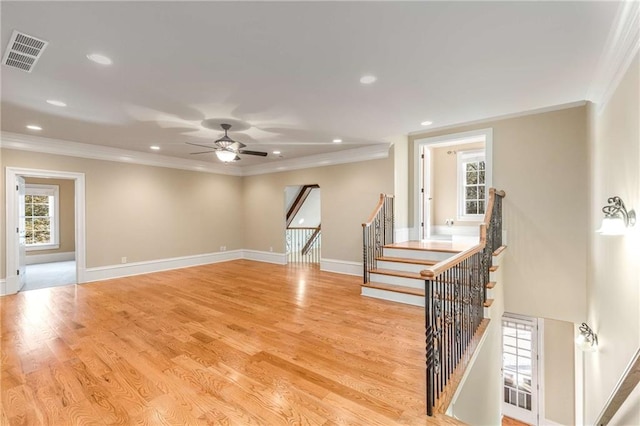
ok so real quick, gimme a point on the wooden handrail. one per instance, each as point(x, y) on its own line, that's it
point(435, 270)
point(376, 210)
point(628, 381)
point(300, 199)
point(310, 241)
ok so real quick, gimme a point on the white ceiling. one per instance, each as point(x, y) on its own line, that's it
point(291, 70)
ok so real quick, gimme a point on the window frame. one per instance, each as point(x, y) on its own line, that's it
point(466, 157)
point(54, 192)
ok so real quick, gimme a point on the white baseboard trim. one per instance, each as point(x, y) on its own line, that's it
point(9, 285)
point(265, 256)
point(548, 422)
point(50, 257)
point(138, 268)
point(341, 267)
point(402, 235)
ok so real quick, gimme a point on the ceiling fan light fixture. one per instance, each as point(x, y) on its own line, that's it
point(227, 156)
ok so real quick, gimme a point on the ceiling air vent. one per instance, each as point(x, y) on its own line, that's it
point(23, 51)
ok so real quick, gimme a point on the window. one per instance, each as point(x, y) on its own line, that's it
point(41, 217)
point(471, 185)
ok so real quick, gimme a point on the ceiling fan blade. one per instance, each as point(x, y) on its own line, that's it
point(238, 145)
point(202, 152)
point(197, 144)
point(258, 153)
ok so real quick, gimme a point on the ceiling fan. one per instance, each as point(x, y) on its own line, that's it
point(227, 149)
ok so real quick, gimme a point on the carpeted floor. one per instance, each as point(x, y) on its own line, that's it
point(53, 274)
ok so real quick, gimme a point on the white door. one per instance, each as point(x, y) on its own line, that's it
point(520, 368)
point(425, 192)
point(22, 235)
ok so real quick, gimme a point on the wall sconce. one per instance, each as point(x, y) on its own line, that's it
point(587, 340)
point(616, 217)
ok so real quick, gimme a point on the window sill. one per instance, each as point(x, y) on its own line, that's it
point(475, 218)
point(43, 247)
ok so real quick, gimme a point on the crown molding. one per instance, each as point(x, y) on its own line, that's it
point(621, 47)
point(366, 153)
point(498, 118)
point(40, 144)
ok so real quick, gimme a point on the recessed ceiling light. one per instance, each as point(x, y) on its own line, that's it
point(337, 141)
point(33, 127)
point(276, 153)
point(367, 79)
point(56, 103)
point(100, 59)
point(155, 147)
point(427, 123)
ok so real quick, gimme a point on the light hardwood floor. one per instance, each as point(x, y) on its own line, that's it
point(232, 343)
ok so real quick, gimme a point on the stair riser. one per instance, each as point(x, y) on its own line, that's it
point(407, 299)
point(401, 266)
point(416, 254)
point(393, 280)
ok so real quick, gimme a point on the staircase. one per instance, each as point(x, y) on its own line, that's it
point(396, 276)
point(452, 281)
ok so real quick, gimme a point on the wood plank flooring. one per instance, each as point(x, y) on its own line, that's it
point(238, 343)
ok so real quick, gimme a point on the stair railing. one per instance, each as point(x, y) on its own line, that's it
point(455, 296)
point(303, 245)
point(628, 381)
point(376, 233)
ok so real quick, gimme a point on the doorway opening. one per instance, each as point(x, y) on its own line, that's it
point(520, 368)
point(303, 224)
point(454, 173)
point(46, 209)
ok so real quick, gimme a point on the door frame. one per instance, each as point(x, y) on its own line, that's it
point(12, 283)
point(451, 139)
point(538, 327)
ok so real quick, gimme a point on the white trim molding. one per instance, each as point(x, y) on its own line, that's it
point(159, 265)
point(98, 152)
point(3, 287)
point(265, 256)
point(621, 47)
point(341, 266)
point(34, 259)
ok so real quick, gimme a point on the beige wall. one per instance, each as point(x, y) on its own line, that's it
point(613, 286)
point(147, 213)
point(349, 193)
point(66, 212)
point(540, 161)
point(559, 377)
point(444, 190)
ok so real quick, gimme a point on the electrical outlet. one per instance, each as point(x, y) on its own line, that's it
point(124, 259)
point(270, 248)
point(223, 248)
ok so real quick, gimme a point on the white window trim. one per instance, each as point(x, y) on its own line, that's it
point(49, 190)
point(463, 156)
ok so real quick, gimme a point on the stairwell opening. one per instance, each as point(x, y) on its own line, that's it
point(303, 234)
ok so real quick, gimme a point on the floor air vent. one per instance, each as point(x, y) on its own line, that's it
point(23, 51)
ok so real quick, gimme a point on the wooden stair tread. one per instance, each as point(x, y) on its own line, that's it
point(406, 260)
point(437, 246)
point(493, 268)
point(402, 274)
point(499, 250)
point(490, 284)
point(395, 288)
point(488, 303)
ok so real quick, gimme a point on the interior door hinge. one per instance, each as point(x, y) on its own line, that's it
point(18, 230)
point(422, 190)
point(421, 155)
point(17, 188)
point(422, 224)
point(18, 272)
